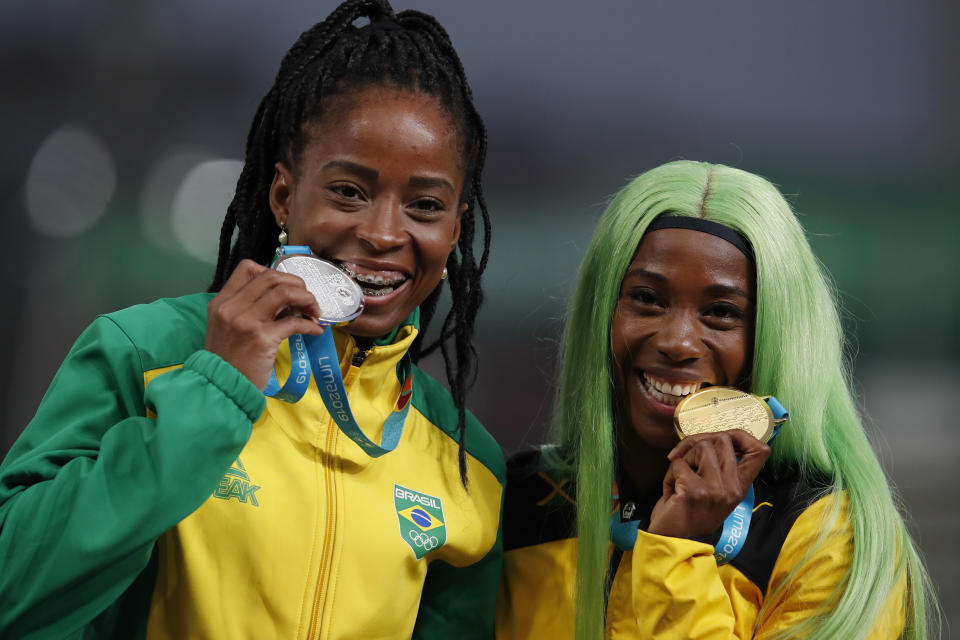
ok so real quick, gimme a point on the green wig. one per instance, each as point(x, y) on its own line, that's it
point(797, 356)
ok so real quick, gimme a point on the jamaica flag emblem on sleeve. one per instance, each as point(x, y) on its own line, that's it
point(421, 520)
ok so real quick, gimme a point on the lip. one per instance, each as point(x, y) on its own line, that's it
point(378, 301)
point(385, 300)
point(659, 407)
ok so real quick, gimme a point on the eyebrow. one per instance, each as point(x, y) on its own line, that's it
point(716, 290)
point(364, 172)
point(424, 182)
point(368, 173)
point(720, 290)
point(643, 273)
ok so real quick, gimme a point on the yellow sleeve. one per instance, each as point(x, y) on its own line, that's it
point(793, 597)
point(678, 592)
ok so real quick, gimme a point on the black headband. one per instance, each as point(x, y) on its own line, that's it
point(705, 226)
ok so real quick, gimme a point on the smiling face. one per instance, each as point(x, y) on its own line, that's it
point(377, 190)
point(684, 319)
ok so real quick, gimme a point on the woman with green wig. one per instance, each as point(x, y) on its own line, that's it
point(680, 499)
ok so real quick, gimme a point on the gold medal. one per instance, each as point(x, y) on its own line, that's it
point(715, 409)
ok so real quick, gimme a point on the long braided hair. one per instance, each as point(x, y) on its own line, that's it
point(409, 51)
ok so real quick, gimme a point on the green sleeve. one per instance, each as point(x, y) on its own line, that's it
point(461, 602)
point(92, 483)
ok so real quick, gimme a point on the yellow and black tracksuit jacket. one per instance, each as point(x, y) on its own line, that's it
point(671, 588)
point(158, 494)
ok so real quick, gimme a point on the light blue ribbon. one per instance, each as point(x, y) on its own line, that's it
point(737, 524)
point(318, 354)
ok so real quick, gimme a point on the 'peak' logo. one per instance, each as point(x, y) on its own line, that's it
point(421, 520)
point(236, 484)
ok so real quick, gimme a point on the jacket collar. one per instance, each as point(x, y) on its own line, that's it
point(390, 346)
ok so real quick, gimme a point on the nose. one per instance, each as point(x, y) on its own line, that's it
point(382, 227)
point(679, 336)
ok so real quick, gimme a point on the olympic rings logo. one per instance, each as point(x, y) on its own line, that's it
point(424, 541)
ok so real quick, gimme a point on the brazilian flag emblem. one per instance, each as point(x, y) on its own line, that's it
point(421, 520)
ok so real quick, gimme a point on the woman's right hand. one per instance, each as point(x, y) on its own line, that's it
point(257, 309)
point(709, 474)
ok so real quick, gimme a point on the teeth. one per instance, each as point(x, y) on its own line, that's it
point(669, 393)
point(377, 292)
point(664, 398)
point(375, 279)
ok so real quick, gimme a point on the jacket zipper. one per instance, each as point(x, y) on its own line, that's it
point(358, 358)
point(329, 533)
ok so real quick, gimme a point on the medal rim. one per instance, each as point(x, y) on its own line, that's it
point(326, 320)
point(745, 395)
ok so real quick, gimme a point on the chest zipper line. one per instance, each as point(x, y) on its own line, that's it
point(329, 533)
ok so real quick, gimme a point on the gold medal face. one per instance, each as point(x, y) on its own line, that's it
point(717, 409)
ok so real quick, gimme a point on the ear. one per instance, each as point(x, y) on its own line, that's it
point(281, 193)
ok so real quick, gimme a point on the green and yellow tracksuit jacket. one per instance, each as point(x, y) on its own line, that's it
point(671, 588)
point(158, 494)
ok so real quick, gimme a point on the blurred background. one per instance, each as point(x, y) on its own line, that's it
point(123, 127)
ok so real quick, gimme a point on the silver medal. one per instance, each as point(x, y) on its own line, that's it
point(339, 297)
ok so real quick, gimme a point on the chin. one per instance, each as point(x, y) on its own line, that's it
point(653, 433)
point(374, 325)
point(640, 432)
point(367, 329)
point(661, 440)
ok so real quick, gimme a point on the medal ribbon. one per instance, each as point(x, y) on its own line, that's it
point(736, 525)
point(318, 355)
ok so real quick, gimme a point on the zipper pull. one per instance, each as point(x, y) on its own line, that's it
point(363, 348)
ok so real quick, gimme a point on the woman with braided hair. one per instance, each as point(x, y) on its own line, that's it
point(158, 493)
point(699, 277)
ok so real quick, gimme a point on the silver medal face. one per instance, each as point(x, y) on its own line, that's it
point(339, 297)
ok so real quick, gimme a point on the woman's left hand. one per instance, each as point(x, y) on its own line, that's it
point(709, 475)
